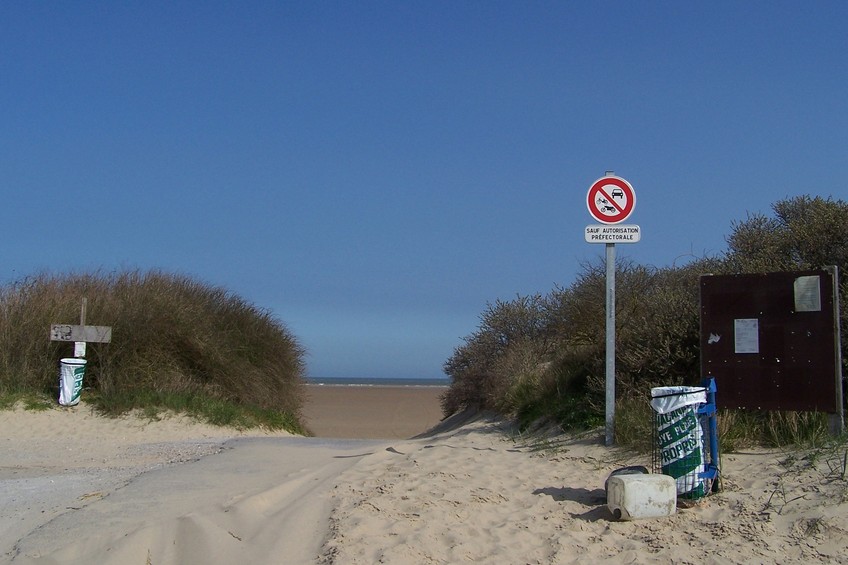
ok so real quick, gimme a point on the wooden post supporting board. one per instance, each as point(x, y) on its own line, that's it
point(81, 334)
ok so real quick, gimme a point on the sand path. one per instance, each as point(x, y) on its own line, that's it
point(76, 488)
point(256, 499)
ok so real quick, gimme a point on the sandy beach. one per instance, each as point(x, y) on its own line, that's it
point(378, 412)
point(79, 488)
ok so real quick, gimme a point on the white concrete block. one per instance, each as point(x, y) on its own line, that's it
point(641, 496)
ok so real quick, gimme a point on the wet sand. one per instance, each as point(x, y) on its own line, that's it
point(371, 412)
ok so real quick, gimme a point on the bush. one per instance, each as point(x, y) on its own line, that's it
point(544, 356)
point(509, 345)
point(170, 336)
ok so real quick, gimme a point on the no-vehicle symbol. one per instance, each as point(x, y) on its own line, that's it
point(611, 200)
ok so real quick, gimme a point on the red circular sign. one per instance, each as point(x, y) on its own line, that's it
point(611, 200)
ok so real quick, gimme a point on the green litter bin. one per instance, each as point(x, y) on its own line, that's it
point(680, 437)
point(71, 372)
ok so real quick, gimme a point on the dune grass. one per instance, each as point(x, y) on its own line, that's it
point(177, 344)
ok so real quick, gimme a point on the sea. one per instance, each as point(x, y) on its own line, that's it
point(341, 381)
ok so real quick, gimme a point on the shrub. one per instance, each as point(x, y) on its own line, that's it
point(170, 335)
point(510, 342)
point(544, 356)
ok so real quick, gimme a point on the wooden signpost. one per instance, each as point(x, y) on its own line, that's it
point(81, 334)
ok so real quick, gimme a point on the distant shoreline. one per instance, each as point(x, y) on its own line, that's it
point(378, 382)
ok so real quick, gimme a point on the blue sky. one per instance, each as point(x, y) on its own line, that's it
point(375, 172)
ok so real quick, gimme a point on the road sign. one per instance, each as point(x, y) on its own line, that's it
point(611, 200)
point(619, 233)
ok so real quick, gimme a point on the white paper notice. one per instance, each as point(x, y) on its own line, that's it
point(807, 294)
point(747, 335)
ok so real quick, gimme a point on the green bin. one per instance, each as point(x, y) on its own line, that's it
point(71, 372)
point(680, 437)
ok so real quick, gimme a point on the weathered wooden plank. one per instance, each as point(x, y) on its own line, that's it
point(90, 334)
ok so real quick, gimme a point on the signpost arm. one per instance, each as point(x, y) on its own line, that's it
point(610, 345)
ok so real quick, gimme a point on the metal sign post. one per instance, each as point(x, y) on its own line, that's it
point(610, 347)
point(611, 200)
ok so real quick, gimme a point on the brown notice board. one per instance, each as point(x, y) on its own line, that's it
point(769, 340)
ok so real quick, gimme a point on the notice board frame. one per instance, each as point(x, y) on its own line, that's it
point(772, 340)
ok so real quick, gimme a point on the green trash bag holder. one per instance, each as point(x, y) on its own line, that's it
point(685, 439)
